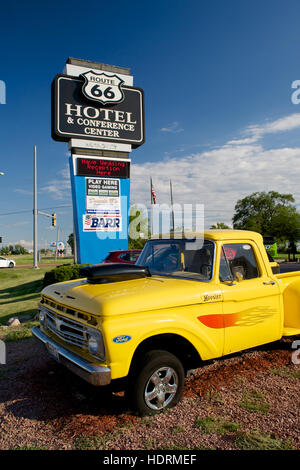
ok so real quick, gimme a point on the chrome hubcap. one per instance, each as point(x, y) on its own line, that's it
point(161, 388)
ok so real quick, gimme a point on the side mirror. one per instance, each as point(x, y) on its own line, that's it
point(275, 267)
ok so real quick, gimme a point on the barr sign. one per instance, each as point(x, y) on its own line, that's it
point(97, 106)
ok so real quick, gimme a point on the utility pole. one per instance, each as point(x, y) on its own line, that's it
point(35, 213)
point(57, 238)
point(1, 174)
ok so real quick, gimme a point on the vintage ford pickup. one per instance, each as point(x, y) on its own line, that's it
point(188, 300)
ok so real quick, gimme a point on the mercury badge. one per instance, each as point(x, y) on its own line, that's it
point(103, 88)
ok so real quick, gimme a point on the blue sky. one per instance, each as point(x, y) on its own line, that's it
point(217, 79)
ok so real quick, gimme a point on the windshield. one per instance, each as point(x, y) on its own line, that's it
point(191, 259)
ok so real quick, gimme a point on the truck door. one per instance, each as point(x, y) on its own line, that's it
point(251, 300)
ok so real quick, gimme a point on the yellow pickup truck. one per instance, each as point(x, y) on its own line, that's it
point(187, 300)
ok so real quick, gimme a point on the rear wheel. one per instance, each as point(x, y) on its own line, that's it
point(11, 265)
point(157, 383)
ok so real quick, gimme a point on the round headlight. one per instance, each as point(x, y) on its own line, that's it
point(42, 317)
point(93, 344)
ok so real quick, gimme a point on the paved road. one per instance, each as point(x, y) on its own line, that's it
point(289, 267)
point(40, 265)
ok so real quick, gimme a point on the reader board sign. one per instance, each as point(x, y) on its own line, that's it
point(95, 110)
point(103, 167)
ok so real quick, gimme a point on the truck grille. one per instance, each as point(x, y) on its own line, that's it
point(70, 311)
point(66, 329)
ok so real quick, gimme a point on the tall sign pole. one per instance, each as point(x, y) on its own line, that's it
point(98, 111)
point(35, 212)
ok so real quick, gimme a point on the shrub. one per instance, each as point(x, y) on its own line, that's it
point(66, 272)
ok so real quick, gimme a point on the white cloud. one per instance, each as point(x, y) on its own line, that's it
point(59, 188)
point(287, 123)
point(27, 244)
point(174, 128)
point(26, 192)
point(220, 176)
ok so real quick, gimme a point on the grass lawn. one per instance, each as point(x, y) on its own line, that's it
point(285, 256)
point(28, 259)
point(20, 292)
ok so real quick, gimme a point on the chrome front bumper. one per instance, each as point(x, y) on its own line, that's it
point(95, 375)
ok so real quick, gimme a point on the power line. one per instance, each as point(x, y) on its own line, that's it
point(30, 210)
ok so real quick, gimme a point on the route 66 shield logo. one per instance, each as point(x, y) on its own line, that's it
point(102, 87)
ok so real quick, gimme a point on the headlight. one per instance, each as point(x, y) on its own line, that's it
point(42, 317)
point(95, 344)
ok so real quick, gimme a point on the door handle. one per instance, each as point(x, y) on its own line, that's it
point(269, 283)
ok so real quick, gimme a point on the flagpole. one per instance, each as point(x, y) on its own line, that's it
point(151, 202)
point(172, 209)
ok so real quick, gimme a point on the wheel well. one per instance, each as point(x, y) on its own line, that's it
point(175, 344)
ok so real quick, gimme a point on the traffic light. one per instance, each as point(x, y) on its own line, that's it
point(53, 219)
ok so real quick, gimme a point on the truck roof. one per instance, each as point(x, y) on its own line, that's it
point(216, 234)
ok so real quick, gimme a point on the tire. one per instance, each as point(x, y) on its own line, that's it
point(157, 383)
point(11, 265)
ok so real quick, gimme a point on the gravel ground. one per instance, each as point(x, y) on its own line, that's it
point(250, 400)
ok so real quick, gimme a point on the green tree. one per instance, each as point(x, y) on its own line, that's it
point(71, 242)
point(269, 213)
point(19, 250)
point(4, 251)
point(138, 231)
point(219, 225)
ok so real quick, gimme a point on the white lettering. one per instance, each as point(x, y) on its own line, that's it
point(77, 109)
point(2, 92)
point(2, 352)
point(295, 95)
point(95, 111)
point(106, 113)
point(119, 116)
point(129, 118)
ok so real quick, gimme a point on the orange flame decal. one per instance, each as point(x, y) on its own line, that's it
point(219, 321)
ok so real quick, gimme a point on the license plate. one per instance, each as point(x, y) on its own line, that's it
point(53, 351)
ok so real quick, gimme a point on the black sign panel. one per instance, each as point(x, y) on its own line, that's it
point(74, 115)
point(99, 167)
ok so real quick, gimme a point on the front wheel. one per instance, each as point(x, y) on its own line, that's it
point(11, 265)
point(157, 384)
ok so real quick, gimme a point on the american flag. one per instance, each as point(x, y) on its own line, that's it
point(153, 195)
point(88, 219)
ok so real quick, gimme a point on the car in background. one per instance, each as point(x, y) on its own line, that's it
point(122, 256)
point(7, 263)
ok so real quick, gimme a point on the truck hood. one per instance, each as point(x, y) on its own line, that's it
point(138, 295)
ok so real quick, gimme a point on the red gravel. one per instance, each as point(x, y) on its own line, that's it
point(43, 405)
